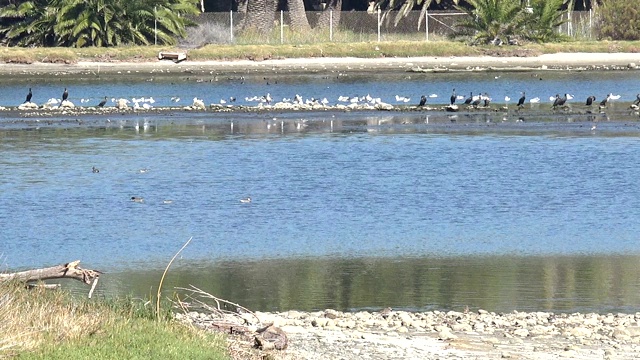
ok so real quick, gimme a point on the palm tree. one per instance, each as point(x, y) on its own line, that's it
point(32, 23)
point(260, 16)
point(491, 20)
point(299, 21)
point(97, 22)
point(333, 9)
point(542, 24)
point(403, 7)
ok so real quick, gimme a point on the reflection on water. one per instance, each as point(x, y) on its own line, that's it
point(350, 211)
point(494, 283)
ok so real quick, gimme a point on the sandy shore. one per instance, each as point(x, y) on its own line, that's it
point(564, 61)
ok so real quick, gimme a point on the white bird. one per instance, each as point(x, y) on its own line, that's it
point(507, 99)
point(223, 101)
point(343, 98)
point(175, 99)
point(402, 98)
point(433, 95)
point(324, 101)
point(297, 99)
point(569, 96)
point(460, 97)
point(245, 200)
point(146, 106)
point(535, 100)
point(614, 97)
point(552, 98)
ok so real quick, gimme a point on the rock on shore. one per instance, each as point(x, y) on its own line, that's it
point(332, 334)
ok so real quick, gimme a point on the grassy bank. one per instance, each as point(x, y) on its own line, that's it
point(51, 324)
point(355, 49)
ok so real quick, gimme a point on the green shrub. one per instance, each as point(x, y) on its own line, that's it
point(618, 20)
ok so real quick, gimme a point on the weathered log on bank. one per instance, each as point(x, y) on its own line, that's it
point(69, 270)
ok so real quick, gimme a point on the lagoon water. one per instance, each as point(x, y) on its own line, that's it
point(348, 211)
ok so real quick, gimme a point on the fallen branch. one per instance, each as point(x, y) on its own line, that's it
point(238, 321)
point(69, 270)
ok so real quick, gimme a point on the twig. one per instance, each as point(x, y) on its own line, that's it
point(93, 286)
point(165, 274)
point(204, 294)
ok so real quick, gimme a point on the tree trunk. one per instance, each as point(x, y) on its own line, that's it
point(299, 21)
point(70, 270)
point(260, 16)
point(242, 11)
point(325, 18)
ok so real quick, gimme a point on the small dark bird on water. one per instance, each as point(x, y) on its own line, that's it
point(453, 97)
point(95, 170)
point(521, 100)
point(423, 100)
point(65, 94)
point(590, 100)
point(103, 102)
point(29, 95)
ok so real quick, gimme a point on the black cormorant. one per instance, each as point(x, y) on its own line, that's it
point(65, 94)
point(29, 95)
point(453, 97)
point(559, 101)
point(103, 102)
point(521, 100)
point(590, 100)
point(468, 100)
point(423, 100)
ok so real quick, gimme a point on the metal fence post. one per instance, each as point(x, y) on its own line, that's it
point(379, 24)
point(155, 26)
point(231, 25)
point(426, 23)
point(330, 24)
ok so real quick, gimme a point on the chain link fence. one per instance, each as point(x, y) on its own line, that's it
point(355, 26)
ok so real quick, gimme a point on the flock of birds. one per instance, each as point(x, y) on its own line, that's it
point(480, 99)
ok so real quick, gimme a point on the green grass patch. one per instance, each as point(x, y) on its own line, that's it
point(52, 324)
point(138, 338)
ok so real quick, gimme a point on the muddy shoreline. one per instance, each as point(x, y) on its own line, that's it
point(560, 61)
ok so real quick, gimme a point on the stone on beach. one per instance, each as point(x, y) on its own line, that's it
point(66, 104)
point(121, 104)
point(198, 104)
point(28, 106)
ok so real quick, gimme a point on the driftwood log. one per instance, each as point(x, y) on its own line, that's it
point(70, 270)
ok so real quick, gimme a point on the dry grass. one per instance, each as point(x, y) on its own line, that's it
point(29, 318)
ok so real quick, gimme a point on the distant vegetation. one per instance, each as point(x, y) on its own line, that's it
point(499, 21)
point(619, 20)
point(79, 23)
